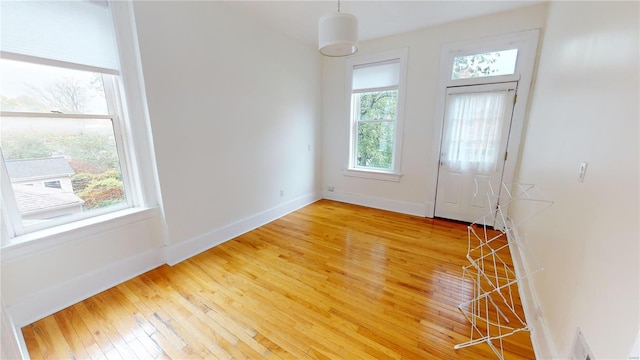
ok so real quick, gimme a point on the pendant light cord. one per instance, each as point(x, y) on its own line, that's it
point(338, 5)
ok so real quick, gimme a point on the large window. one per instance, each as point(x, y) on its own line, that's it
point(62, 125)
point(377, 91)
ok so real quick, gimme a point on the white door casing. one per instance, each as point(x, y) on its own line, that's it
point(475, 136)
point(527, 44)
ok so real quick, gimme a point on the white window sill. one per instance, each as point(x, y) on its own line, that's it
point(44, 239)
point(373, 174)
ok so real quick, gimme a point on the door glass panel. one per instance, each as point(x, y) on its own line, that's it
point(473, 130)
point(485, 64)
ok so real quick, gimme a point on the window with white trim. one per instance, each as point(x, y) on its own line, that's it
point(493, 63)
point(61, 115)
point(377, 97)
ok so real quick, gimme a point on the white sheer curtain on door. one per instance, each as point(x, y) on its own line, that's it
point(473, 130)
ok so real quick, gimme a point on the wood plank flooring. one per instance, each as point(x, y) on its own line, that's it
point(329, 281)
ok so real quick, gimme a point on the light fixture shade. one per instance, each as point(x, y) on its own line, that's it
point(338, 34)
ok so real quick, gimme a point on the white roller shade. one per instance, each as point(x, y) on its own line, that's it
point(79, 32)
point(378, 75)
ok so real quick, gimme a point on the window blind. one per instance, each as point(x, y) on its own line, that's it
point(376, 75)
point(78, 32)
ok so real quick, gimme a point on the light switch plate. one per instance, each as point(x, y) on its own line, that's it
point(582, 171)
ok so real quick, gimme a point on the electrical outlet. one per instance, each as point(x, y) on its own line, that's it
point(330, 188)
point(281, 193)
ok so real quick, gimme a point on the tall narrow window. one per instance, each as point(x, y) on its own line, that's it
point(61, 116)
point(376, 109)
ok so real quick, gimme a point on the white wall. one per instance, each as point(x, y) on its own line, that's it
point(37, 281)
point(69, 263)
point(235, 113)
point(585, 108)
point(410, 195)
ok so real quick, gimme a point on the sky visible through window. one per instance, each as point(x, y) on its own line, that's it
point(28, 87)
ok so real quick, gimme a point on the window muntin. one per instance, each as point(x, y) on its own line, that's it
point(81, 35)
point(60, 126)
point(486, 64)
point(375, 100)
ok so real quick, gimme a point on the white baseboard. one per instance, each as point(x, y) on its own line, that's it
point(10, 345)
point(51, 300)
point(186, 249)
point(541, 339)
point(36, 306)
point(46, 302)
point(634, 353)
point(378, 203)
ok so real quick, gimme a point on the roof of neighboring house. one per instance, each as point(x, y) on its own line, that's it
point(38, 168)
point(34, 199)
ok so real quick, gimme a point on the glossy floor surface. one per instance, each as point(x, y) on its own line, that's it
point(329, 281)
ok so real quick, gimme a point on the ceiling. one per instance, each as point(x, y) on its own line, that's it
point(299, 19)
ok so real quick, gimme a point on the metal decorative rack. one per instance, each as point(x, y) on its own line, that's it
point(492, 310)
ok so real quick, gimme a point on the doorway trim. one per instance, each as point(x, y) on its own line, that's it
point(456, 174)
point(527, 44)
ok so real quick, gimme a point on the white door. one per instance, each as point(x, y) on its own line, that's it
point(475, 136)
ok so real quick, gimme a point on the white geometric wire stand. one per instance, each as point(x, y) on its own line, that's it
point(493, 309)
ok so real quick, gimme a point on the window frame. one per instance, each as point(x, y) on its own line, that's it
point(461, 53)
point(351, 168)
point(525, 41)
point(111, 81)
point(136, 139)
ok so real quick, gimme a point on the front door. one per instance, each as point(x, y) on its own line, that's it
point(473, 151)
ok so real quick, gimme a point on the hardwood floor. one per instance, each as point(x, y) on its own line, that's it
point(330, 281)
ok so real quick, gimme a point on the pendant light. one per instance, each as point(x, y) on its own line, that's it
point(338, 34)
